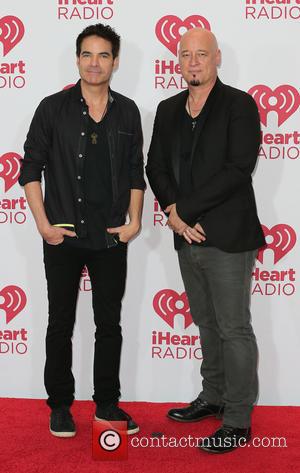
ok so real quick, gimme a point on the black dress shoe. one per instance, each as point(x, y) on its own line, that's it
point(196, 411)
point(226, 439)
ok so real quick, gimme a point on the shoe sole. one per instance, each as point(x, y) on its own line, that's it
point(128, 432)
point(218, 452)
point(62, 434)
point(217, 416)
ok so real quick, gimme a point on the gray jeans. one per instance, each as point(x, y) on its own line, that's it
point(218, 288)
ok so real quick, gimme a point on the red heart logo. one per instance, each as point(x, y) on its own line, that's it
point(10, 169)
point(168, 28)
point(14, 301)
point(284, 100)
point(167, 304)
point(11, 32)
point(284, 239)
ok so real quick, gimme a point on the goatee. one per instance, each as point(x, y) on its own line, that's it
point(195, 82)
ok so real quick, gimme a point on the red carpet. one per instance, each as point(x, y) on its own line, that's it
point(26, 445)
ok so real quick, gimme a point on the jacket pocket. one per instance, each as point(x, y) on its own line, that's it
point(125, 133)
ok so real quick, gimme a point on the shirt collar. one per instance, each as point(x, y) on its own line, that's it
point(77, 95)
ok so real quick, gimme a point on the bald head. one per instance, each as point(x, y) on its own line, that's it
point(200, 35)
point(199, 56)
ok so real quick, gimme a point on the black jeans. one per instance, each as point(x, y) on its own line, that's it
point(107, 269)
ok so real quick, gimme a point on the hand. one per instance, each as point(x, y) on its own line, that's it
point(174, 221)
point(194, 234)
point(126, 232)
point(55, 235)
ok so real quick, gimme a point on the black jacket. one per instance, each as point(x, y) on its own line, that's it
point(223, 158)
point(56, 144)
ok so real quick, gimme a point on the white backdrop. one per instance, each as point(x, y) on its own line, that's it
point(161, 351)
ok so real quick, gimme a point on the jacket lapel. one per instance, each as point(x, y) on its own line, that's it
point(205, 113)
point(177, 125)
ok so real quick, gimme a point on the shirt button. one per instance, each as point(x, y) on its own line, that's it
point(81, 100)
point(80, 155)
point(82, 133)
point(79, 200)
point(81, 221)
point(84, 113)
point(79, 177)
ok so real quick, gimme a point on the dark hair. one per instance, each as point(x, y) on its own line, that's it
point(103, 31)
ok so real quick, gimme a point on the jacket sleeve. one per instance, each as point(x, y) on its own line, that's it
point(136, 157)
point(36, 147)
point(157, 169)
point(241, 156)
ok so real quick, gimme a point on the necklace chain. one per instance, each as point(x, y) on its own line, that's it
point(104, 111)
point(94, 135)
point(194, 119)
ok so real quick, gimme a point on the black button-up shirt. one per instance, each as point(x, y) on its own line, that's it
point(98, 187)
point(57, 143)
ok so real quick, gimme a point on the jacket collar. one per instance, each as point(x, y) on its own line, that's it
point(182, 98)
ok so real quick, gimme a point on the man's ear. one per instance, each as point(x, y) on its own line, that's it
point(116, 63)
point(219, 58)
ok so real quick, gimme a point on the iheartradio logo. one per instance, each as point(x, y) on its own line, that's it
point(14, 301)
point(168, 303)
point(170, 28)
point(10, 169)
point(11, 32)
point(284, 100)
point(284, 240)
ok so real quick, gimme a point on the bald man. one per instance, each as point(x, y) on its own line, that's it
point(202, 154)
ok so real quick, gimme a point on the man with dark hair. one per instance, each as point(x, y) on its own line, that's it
point(88, 142)
point(203, 151)
point(102, 31)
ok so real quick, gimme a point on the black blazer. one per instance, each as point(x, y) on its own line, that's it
point(223, 158)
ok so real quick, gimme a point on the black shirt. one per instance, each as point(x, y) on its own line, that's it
point(98, 187)
point(186, 145)
point(189, 132)
point(56, 144)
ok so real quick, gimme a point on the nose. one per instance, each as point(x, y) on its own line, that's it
point(94, 60)
point(194, 59)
